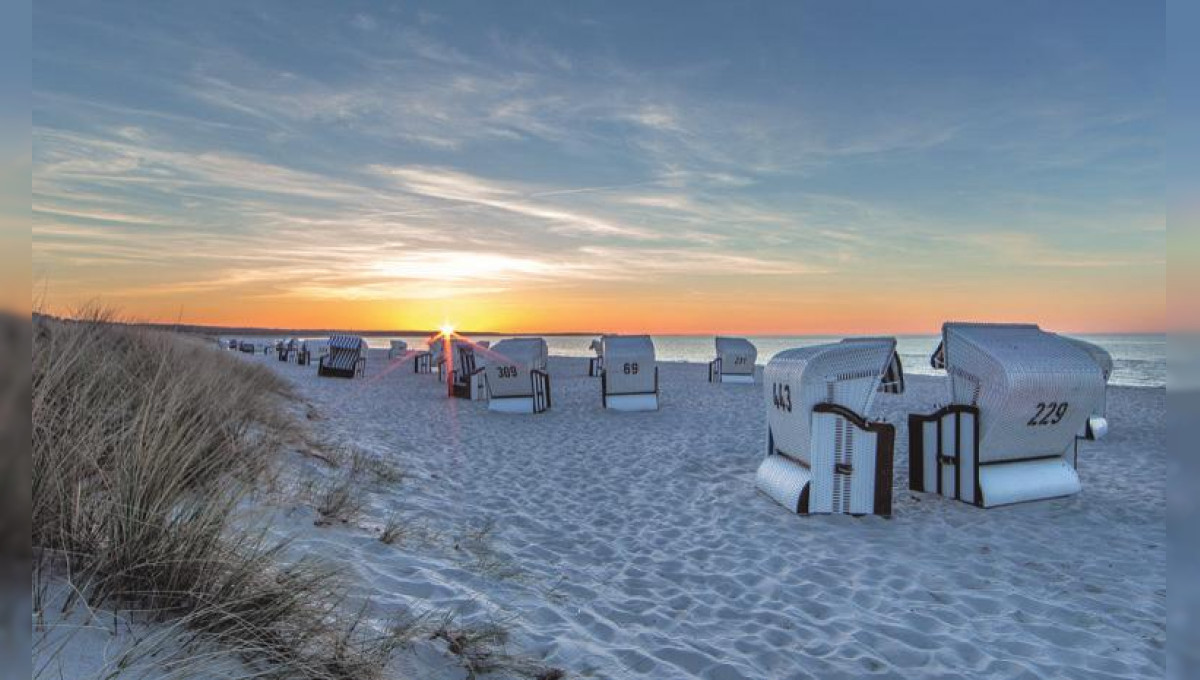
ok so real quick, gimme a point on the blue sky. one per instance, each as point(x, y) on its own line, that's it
point(232, 162)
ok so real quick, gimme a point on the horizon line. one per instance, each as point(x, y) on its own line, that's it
point(256, 330)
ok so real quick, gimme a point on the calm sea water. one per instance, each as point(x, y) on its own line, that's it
point(1139, 360)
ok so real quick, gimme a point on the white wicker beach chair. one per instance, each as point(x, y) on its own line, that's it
point(629, 379)
point(1019, 396)
point(824, 455)
point(734, 362)
point(517, 381)
point(397, 348)
point(346, 358)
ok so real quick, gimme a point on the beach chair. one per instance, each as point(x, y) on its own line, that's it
point(516, 376)
point(232, 344)
point(1020, 399)
point(397, 348)
point(284, 349)
point(824, 453)
point(629, 378)
point(346, 358)
point(734, 362)
point(596, 363)
point(303, 355)
point(466, 378)
point(246, 347)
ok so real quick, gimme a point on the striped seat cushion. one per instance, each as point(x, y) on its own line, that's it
point(344, 351)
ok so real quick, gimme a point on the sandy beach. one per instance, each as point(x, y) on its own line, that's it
point(635, 545)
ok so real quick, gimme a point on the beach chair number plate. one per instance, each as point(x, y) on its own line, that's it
point(508, 371)
point(630, 368)
point(781, 395)
point(1048, 413)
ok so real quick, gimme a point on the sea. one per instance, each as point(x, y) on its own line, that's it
point(1139, 360)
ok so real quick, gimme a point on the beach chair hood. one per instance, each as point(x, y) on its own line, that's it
point(1034, 390)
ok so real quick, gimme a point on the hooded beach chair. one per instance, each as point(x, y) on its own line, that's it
point(467, 379)
point(824, 454)
point(516, 377)
point(246, 347)
point(346, 358)
point(285, 350)
point(629, 379)
point(734, 362)
point(397, 348)
point(1020, 398)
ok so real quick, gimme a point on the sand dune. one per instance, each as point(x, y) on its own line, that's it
point(635, 545)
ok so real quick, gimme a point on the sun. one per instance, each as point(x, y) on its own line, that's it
point(447, 329)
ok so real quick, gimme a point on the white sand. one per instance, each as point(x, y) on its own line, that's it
point(635, 545)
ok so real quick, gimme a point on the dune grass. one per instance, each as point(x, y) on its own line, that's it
point(145, 445)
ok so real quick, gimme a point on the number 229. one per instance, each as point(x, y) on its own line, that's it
point(1048, 413)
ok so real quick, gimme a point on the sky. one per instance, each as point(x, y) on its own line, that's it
point(667, 167)
point(15, 157)
point(1183, 160)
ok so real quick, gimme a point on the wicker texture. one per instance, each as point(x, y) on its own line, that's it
point(1019, 377)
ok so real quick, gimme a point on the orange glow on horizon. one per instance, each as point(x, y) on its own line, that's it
point(851, 312)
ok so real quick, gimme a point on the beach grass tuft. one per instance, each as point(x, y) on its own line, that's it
point(146, 445)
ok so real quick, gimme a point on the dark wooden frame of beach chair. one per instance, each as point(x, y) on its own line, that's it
point(943, 458)
point(422, 362)
point(247, 348)
point(884, 451)
point(893, 376)
point(714, 370)
point(604, 395)
point(303, 356)
point(595, 367)
point(541, 390)
point(938, 358)
point(464, 373)
point(916, 451)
